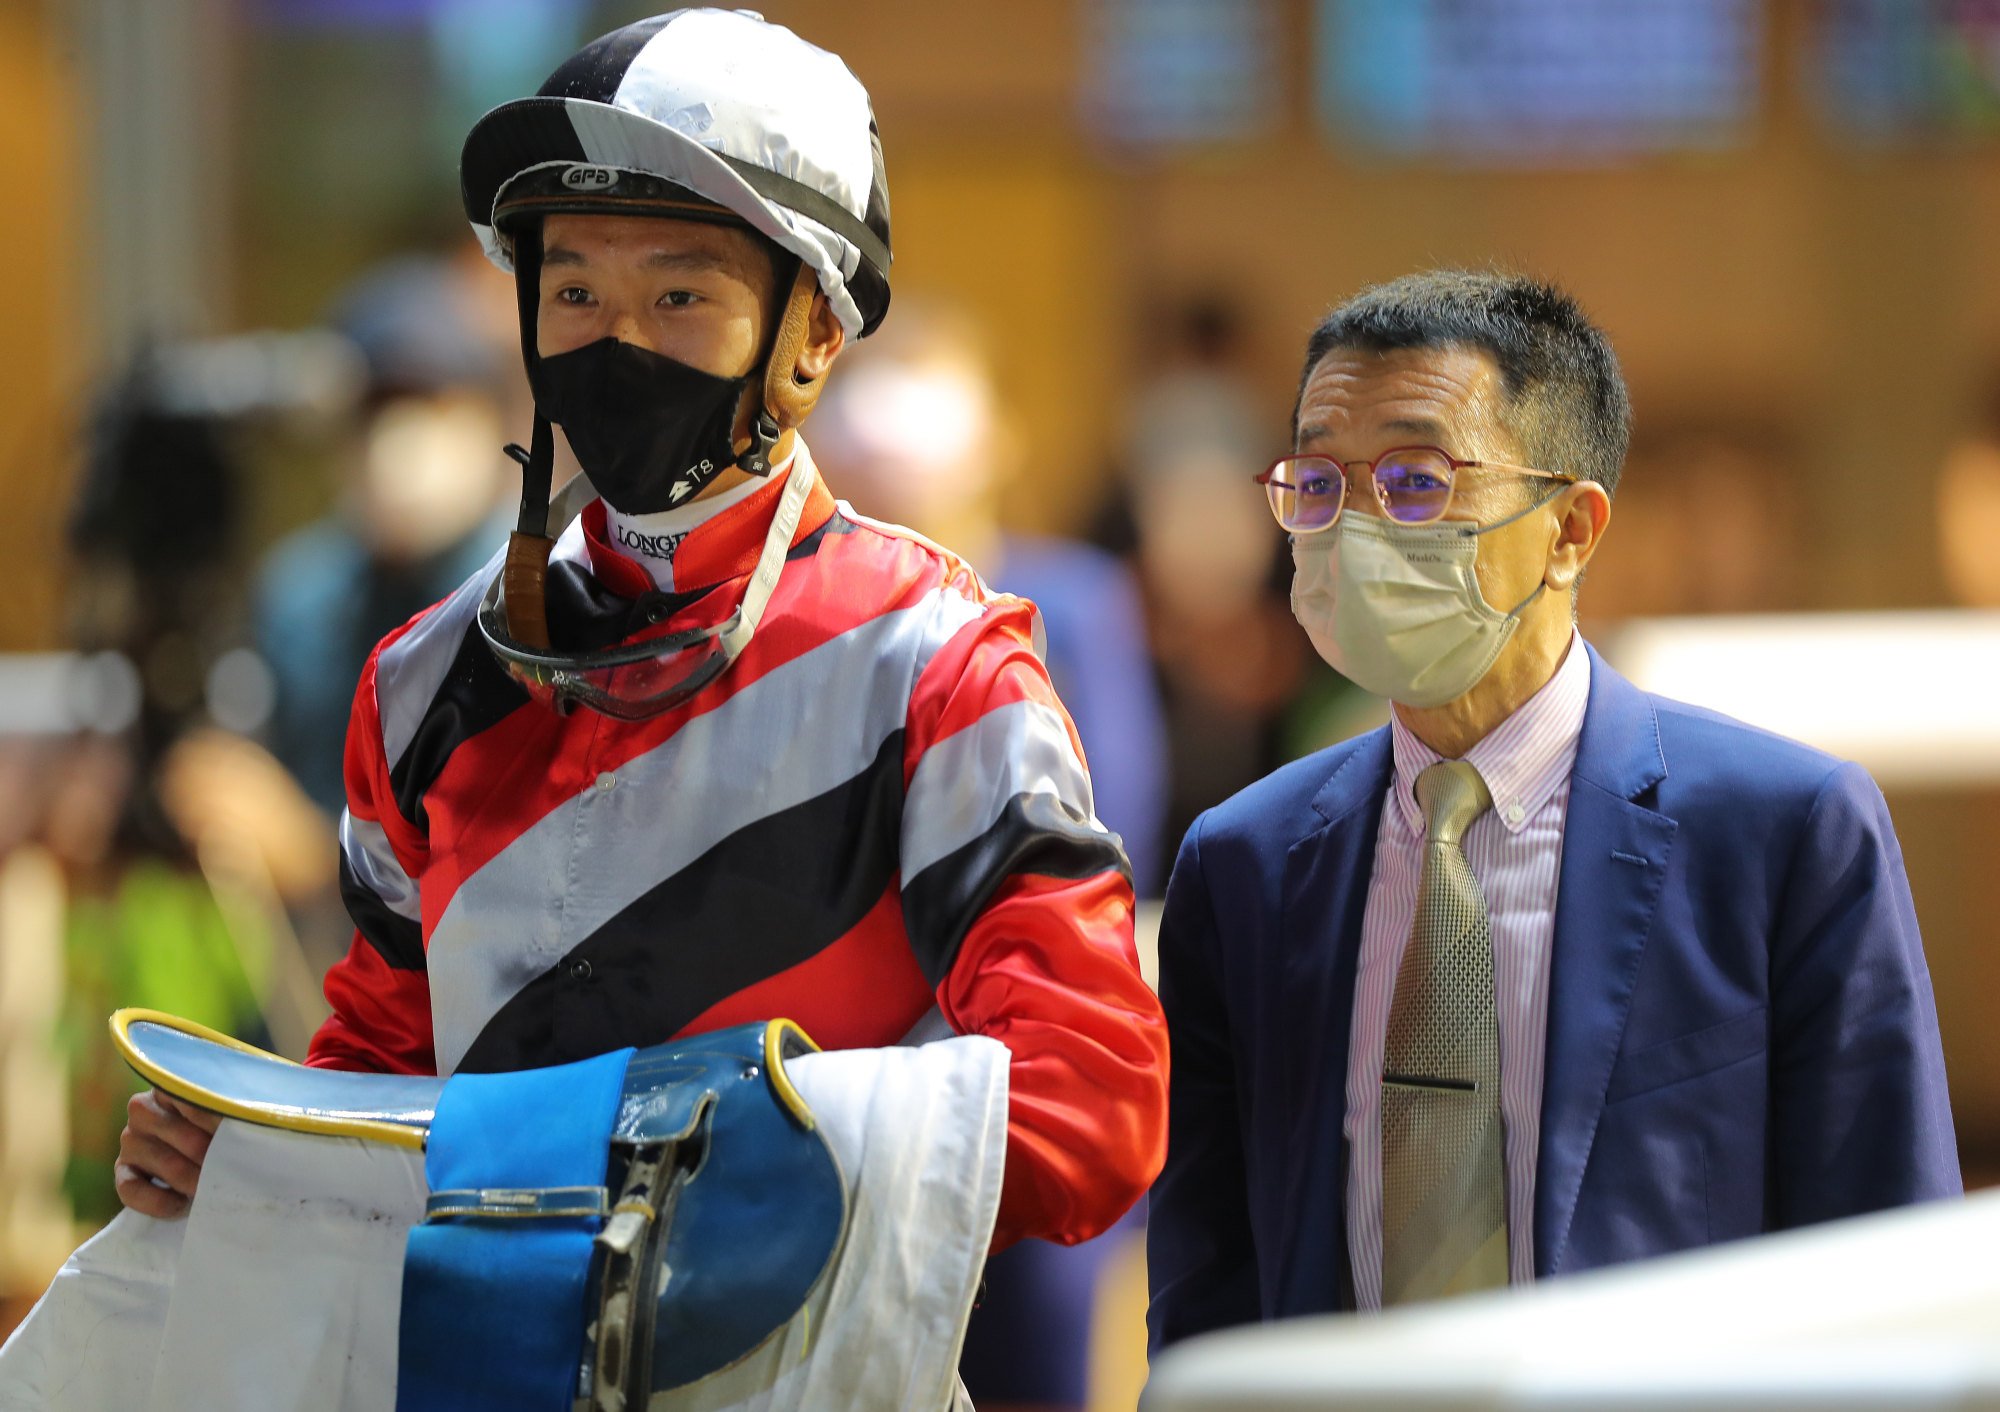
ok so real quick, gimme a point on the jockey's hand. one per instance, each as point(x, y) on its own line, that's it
point(160, 1153)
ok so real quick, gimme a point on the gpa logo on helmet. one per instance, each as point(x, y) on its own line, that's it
point(588, 178)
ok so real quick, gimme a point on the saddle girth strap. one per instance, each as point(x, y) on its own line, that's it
point(495, 1279)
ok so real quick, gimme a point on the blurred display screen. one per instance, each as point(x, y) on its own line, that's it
point(356, 13)
point(500, 15)
point(1533, 80)
point(1889, 68)
point(1180, 71)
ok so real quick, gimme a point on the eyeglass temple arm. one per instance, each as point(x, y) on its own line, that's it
point(1517, 470)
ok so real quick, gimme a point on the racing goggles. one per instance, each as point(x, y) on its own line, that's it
point(637, 680)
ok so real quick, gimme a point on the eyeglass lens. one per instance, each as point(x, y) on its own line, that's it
point(1414, 487)
point(1306, 492)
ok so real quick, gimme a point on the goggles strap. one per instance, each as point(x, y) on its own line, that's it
point(771, 562)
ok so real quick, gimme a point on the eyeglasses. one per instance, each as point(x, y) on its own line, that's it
point(1413, 483)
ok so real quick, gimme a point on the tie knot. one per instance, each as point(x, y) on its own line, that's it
point(1452, 795)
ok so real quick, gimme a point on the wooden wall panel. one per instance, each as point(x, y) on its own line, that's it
point(45, 321)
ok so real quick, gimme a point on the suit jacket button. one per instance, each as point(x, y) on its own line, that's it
point(579, 969)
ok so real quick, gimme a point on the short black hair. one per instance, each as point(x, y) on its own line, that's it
point(1565, 398)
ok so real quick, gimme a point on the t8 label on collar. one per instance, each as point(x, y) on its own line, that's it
point(589, 178)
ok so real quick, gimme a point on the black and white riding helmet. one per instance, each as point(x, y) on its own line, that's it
point(754, 124)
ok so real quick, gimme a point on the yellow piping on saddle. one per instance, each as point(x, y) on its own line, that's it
point(396, 1134)
point(775, 1035)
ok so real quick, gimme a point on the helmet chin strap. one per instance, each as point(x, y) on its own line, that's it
point(768, 412)
point(524, 578)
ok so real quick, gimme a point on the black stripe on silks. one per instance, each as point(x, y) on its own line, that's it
point(836, 523)
point(596, 70)
point(585, 616)
point(509, 140)
point(397, 939)
point(772, 894)
point(476, 695)
point(1034, 835)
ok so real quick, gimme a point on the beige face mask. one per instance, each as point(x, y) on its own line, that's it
point(1396, 609)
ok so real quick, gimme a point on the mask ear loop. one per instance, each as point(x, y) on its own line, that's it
point(1540, 500)
point(1536, 504)
point(524, 578)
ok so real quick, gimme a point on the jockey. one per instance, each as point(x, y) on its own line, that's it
point(724, 750)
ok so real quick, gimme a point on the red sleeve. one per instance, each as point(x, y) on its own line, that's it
point(379, 991)
point(381, 1019)
point(1019, 905)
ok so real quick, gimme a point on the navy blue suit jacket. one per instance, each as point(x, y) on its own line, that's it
point(1741, 1034)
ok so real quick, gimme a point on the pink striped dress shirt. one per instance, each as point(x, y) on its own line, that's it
point(1515, 850)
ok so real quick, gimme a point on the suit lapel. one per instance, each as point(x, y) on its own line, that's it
point(1325, 897)
point(1614, 862)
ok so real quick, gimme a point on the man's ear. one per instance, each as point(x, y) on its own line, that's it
point(824, 339)
point(1582, 513)
point(809, 338)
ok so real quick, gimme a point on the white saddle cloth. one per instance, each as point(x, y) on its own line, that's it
point(282, 1289)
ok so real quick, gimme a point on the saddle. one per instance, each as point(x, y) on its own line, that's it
point(707, 1225)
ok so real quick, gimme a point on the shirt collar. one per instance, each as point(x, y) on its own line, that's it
point(1522, 760)
point(719, 544)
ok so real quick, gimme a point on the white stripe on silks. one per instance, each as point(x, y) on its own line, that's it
point(413, 667)
point(793, 734)
point(896, 531)
point(688, 76)
point(374, 863)
point(964, 781)
point(1515, 850)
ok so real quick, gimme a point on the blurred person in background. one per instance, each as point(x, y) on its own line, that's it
point(419, 511)
point(914, 433)
point(1550, 973)
point(177, 843)
point(720, 752)
point(1231, 666)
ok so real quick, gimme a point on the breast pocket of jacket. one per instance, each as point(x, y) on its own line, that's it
point(1702, 1094)
point(1689, 1056)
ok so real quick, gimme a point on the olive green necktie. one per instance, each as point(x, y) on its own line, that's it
point(1444, 1197)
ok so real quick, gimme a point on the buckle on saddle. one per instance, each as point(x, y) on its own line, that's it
point(512, 1203)
point(633, 1268)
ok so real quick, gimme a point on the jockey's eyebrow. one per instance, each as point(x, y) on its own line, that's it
point(692, 261)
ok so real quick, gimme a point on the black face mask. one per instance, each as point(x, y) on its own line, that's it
point(650, 432)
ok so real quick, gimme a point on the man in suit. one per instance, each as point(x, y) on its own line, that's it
point(1550, 973)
